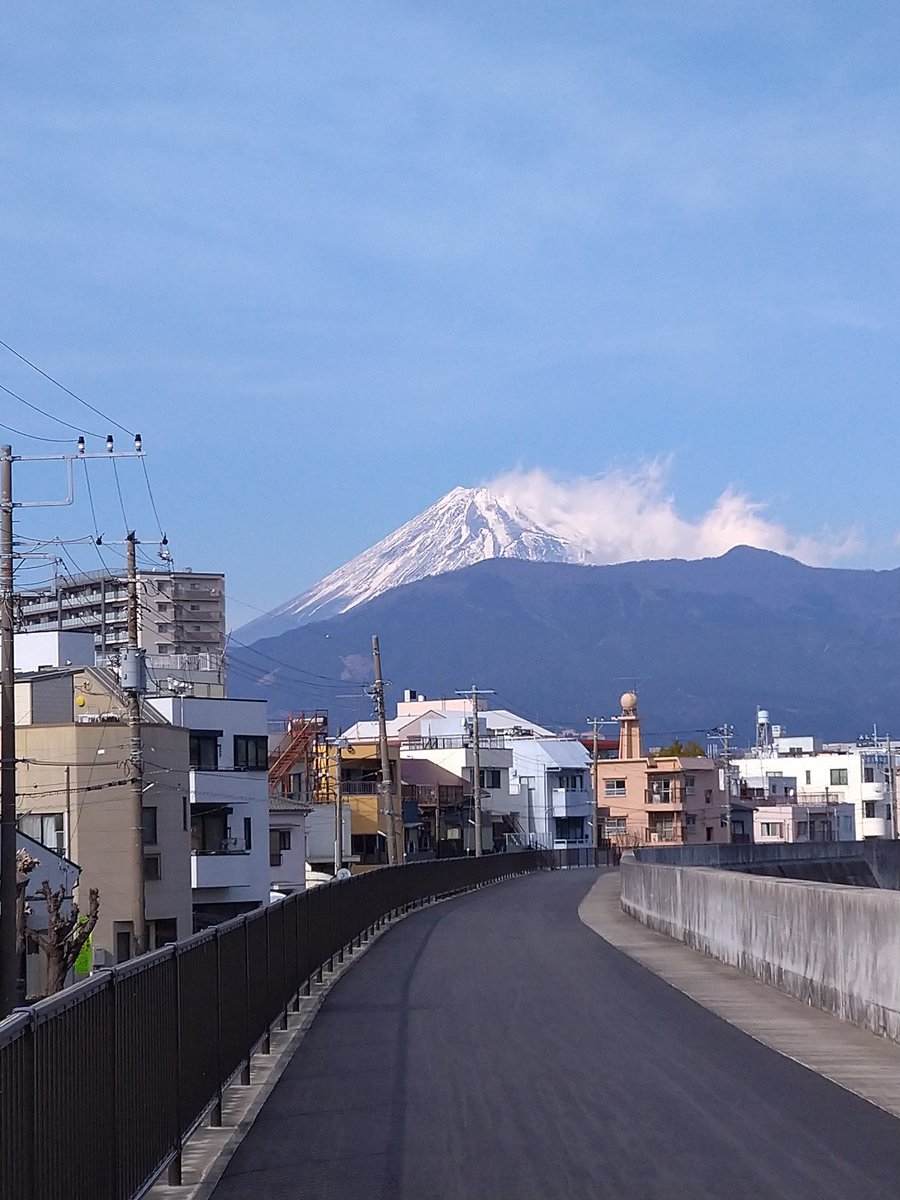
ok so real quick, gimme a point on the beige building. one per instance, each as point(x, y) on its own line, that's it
point(181, 612)
point(647, 799)
point(74, 797)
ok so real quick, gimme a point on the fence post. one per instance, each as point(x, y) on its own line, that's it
point(173, 1175)
point(245, 1069)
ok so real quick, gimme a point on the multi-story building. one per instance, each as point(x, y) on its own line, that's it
point(227, 791)
point(812, 775)
point(180, 612)
point(73, 796)
point(654, 798)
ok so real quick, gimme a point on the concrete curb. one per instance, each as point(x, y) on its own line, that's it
point(858, 1061)
point(210, 1149)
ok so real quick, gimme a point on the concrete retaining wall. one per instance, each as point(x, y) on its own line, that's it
point(872, 863)
point(835, 947)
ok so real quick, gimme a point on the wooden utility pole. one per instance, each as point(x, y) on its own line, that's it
point(9, 960)
point(395, 856)
point(132, 679)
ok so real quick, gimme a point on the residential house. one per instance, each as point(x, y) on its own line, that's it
point(228, 792)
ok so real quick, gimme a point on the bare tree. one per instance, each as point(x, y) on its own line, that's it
point(65, 935)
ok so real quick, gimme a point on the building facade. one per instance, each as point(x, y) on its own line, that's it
point(651, 798)
point(228, 797)
point(180, 612)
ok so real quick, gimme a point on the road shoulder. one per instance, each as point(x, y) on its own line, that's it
point(862, 1063)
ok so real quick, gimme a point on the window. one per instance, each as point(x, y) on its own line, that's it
point(46, 828)
point(490, 779)
point(709, 833)
point(838, 776)
point(795, 750)
point(689, 781)
point(809, 777)
point(707, 795)
point(868, 774)
point(571, 782)
point(615, 826)
point(802, 827)
point(123, 945)
point(251, 753)
point(569, 829)
point(151, 868)
point(165, 931)
point(205, 751)
point(248, 833)
point(690, 819)
point(773, 829)
point(869, 808)
point(148, 826)
point(614, 787)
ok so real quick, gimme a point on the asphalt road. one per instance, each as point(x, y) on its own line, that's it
point(494, 1048)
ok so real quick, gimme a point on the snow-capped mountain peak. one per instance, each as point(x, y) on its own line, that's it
point(466, 526)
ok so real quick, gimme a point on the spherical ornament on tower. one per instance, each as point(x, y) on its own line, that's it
point(628, 700)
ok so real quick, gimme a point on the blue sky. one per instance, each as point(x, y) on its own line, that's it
point(334, 260)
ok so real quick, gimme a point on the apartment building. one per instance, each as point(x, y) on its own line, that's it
point(647, 798)
point(73, 796)
point(819, 777)
point(180, 612)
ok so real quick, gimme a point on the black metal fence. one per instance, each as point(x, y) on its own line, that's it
point(101, 1085)
point(579, 856)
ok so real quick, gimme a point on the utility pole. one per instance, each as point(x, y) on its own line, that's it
point(725, 733)
point(132, 676)
point(476, 763)
point(338, 744)
point(10, 984)
point(387, 790)
point(9, 964)
point(595, 723)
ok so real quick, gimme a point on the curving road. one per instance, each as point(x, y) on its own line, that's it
point(495, 1048)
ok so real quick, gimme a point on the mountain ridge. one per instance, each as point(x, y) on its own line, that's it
point(707, 640)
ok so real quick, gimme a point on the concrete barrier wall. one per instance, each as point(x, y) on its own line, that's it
point(879, 858)
point(835, 947)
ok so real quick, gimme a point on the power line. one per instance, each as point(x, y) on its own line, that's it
point(50, 416)
point(35, 437)
point(63, 388)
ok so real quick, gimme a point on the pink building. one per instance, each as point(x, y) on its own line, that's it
point(648, 798)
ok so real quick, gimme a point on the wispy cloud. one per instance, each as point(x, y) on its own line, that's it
point(627, 515)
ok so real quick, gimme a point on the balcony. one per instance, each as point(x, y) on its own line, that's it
point(665, 792)
point(226, 868)
point(567, 802)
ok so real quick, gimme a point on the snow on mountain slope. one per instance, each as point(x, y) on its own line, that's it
point(466, 526)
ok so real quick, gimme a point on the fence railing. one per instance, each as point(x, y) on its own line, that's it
point(101, 1085)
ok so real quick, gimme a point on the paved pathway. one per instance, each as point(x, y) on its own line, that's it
point(495, 1048)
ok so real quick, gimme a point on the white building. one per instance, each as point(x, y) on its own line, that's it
point(551, 777)
point(764, 824)
point(229, 802)
point(856, 775)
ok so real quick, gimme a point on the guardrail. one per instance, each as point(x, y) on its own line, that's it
point(101, 1086)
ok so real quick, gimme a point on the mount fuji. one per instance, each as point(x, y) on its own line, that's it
point(467, 526)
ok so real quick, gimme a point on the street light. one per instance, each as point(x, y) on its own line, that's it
point(338, 744)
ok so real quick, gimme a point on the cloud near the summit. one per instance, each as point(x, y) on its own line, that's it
point(626, 515)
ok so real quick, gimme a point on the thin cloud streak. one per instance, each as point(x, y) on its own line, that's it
point(623, 516)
